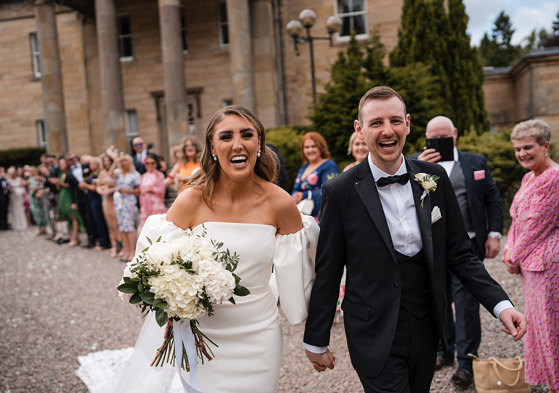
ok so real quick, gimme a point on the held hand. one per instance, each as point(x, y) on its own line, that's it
point(321, 361)
point(511, 268)
point(429, 155)
point(297, 197)
point(74, 206)
point(492, 247)
point(514, 322)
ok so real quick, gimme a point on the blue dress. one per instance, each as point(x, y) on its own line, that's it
point(314, 181)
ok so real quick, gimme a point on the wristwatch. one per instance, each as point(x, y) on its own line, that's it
point(494, 234)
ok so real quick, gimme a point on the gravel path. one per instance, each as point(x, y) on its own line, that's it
point(60, 303)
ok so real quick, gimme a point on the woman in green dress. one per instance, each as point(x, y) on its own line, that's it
point(67, 210)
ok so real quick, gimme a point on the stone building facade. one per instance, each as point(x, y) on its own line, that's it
point(529, 89)
point(81, 75)
point(86, 74)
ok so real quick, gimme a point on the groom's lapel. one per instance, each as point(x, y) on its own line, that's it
point(423, 213)
point(367, 191)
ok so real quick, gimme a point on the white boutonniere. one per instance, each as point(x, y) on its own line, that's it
point(427, 182)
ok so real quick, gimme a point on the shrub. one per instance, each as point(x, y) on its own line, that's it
point(288, 141)
point(21, 156)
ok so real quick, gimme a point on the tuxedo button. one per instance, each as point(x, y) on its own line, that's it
point(396, 284)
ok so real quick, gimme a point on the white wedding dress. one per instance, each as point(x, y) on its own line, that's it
point(248, 333)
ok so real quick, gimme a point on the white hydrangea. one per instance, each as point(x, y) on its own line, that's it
point(218, 281)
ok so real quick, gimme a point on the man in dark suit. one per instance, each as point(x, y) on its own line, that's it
point(78, 195)
point(482, 211)
point(140, 154)
point(396, 235)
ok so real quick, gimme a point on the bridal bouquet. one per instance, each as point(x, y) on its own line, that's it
point(182, 280)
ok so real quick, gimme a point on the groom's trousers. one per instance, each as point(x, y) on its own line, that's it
point(411, 361)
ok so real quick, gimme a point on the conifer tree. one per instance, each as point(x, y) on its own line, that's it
point(498, 51)
point(431, 35)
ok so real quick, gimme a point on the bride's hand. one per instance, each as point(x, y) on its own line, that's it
point(168, 328)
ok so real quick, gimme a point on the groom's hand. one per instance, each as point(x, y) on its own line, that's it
point(321, 361)
point(514, 322)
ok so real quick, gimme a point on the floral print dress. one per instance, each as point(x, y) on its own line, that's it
point(314, 181)
point(126, 204)
point(533, 244)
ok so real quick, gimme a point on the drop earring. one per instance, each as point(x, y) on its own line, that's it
point(214, 157)
point(258, 154)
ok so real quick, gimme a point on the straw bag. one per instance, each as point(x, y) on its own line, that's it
point(306, 205)
point(495, 375)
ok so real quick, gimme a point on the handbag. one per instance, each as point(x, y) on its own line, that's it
point(495, 375)
point(306, 205)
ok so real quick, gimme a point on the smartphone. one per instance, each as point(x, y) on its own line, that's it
point(445, 146)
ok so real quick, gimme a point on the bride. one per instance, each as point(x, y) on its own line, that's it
point(235, 200)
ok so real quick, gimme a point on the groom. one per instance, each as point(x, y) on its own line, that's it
point(397, 237)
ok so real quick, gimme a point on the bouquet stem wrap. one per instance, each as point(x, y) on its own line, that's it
point(183, 336)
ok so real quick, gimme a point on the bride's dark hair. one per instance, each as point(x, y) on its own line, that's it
point(266, 165)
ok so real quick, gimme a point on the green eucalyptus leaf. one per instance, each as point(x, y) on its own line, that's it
point(135, 299)
point(241, 291)
point(161, 317)
point(147, 297)
point(160, 303)
point(128, 288)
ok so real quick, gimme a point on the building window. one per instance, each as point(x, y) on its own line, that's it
point(354, 17)
point(124, 37)
point(131, 124)
point(226, 102)
point(35, 54)
point(41, 134)
point(222, 24)
point(183, 32)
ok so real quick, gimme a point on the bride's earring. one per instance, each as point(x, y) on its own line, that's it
point(214, 157)
point(258, 154)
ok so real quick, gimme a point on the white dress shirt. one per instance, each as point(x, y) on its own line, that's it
point(401, 216)
point(78, 172)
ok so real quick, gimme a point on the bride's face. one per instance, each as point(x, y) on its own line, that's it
point(235, 142)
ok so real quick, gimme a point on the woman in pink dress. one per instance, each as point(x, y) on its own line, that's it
point(152, 190)
point(532, 250)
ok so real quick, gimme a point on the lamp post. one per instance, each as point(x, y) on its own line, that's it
point(306, 20)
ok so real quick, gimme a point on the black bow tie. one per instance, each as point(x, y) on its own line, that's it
point(402, 179)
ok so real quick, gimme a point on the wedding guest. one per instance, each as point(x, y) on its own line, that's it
point(532, 250)
point(23, 173)
point(4, 199)
point(358, 149)
point(127, 183)
point(16, 210)
point(140, 150)
point(68, 209)
point(78, 194)
point(234, 200)
point(36, 192)
point(95, 205)
point(188, 162)
point(106, 187)
point(316, 170)
point(152, 190)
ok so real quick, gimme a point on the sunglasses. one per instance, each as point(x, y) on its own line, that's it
point(149, 163)
point(138, 144)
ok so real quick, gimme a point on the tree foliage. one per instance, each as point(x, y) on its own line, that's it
point(498, 51)
point(433, 32)
point(356, 70)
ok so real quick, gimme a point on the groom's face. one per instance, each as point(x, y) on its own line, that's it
point(384, 126)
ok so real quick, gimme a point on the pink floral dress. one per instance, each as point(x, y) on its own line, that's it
point(151, 203)
point(533, 244)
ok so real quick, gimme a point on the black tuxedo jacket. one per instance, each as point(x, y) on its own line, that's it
point(73, 185)
point(484, 200)
point(354, 233)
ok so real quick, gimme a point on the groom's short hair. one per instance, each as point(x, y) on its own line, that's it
point(379, 93)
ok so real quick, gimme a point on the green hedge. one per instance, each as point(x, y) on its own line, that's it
point(288, 141)
point(21, 156)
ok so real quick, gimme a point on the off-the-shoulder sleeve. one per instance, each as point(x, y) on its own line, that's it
point(294, 258)
point(155, 226)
